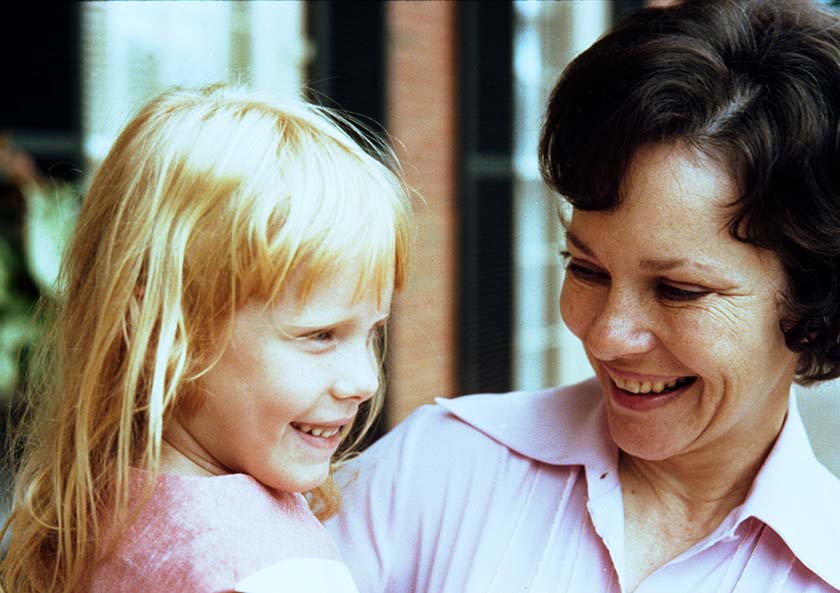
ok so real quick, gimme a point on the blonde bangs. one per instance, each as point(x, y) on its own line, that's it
point(322, 206)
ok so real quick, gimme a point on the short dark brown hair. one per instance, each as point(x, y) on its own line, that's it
point(753, 84)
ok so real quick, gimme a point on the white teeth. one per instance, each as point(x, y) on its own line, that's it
point(316, 431)
point(646, 386)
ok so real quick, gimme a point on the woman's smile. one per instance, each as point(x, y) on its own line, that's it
point(644, 384)
point(675, 314)
point(641, 392)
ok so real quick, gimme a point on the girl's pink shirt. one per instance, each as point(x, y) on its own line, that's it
point(520, 493)
point(208, 534)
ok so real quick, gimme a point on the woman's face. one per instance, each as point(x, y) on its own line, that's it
point(679, 320)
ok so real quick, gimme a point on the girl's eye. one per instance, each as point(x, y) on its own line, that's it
point(379, 334)
point(321, 336)
point(672, 293)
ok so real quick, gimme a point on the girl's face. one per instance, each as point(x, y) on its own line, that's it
point(679, 320)
point(292, 375)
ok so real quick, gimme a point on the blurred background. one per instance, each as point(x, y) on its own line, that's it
point(459, 86)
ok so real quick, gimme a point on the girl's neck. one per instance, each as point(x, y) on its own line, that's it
point(180, 454)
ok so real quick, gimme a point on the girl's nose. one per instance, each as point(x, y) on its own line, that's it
point(358, 374)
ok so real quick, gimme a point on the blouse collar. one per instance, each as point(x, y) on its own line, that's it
point(793, 493)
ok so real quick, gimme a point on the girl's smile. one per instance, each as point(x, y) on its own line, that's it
point(291, 379)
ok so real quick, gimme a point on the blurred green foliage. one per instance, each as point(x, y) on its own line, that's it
point(38, 215)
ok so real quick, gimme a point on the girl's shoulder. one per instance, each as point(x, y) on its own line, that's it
point(206, 533)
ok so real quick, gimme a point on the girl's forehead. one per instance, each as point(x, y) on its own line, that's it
point(331, 294)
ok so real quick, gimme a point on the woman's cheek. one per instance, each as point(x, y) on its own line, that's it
point(573, 308)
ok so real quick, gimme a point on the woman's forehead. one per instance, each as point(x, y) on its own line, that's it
point(674, 209)
point(672, 177)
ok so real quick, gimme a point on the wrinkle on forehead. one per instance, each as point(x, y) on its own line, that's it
point(690, 171)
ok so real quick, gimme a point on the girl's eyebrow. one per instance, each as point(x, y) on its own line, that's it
point(331, 323)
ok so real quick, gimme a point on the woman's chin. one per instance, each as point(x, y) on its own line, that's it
point(651, 426)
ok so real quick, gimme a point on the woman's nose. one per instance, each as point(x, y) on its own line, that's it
point(620, 327)
point(357, 374)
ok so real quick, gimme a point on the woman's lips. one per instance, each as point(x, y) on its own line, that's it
point(640, 396)
point(654, 387)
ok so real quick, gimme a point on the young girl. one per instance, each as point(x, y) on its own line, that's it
point(223, 299)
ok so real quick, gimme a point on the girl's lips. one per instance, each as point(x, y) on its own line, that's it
point(318, 430)
point(327, 443)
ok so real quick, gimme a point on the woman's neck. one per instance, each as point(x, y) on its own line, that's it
point(705, 489)
point(671, 504)
point(708, 480)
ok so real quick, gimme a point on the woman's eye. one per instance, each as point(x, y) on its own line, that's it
point(584, 272)
point(672, 293)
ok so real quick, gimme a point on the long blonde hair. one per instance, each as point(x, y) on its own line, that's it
point(208, 197)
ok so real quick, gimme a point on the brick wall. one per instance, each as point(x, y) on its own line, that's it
point(421, 107)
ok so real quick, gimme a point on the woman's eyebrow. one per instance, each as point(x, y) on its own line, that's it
point(579, 243)
point(664, 265)
point(327, 322)
point(653, 265)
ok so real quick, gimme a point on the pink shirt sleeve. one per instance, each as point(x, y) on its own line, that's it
point(415, 513)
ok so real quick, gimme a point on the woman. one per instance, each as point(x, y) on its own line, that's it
point(698, 147)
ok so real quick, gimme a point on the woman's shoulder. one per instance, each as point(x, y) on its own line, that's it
point(448, 471)
point(791, 472)
point(547, 426)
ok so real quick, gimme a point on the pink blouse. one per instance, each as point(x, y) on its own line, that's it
point(219, 535)
point(520, 493)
